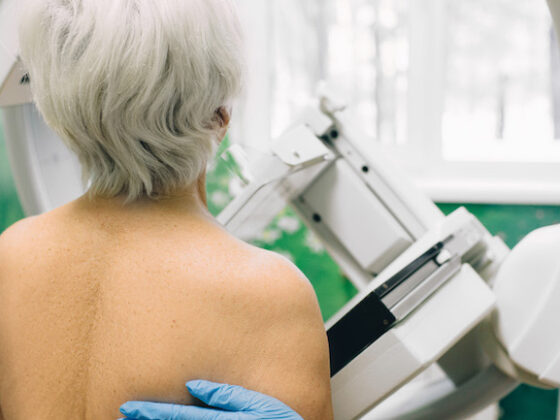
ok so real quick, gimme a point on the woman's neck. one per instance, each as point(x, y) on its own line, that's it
point(189, 200)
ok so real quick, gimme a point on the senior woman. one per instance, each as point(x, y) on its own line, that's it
point(133, 289)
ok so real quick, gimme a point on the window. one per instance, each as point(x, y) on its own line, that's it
point(465, 94)
point(502, 80)
point(358, 47)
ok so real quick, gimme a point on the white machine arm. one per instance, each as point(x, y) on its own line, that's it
point(419, 273)
point(425, 280)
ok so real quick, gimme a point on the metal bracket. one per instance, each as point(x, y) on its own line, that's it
point(299, 146)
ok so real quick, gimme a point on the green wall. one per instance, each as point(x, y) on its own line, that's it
point(10, 209)
point(289, 236)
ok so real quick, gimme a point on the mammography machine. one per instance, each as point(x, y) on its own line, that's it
point(435, 292)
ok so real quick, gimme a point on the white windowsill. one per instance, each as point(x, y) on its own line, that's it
point(451, 190)
point(523, 183)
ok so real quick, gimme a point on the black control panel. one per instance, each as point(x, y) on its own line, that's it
point(358, 330)
point(370, 318)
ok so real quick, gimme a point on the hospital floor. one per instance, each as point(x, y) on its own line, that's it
point(288, 236)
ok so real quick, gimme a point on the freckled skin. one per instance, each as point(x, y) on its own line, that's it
point(102, 303)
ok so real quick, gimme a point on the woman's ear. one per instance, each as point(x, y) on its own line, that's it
point(223, 117)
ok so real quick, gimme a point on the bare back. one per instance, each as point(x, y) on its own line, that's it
point(98, 307)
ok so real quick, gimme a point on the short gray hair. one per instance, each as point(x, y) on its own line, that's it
point(133, 86)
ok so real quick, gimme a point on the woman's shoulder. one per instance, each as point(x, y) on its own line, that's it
point(17, 237)
point(18, 245)
point(287, 350)
point(264, 275)
point(29, 230)
point(29, 239)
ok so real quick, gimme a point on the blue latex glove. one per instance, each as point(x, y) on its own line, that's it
point(227, 402)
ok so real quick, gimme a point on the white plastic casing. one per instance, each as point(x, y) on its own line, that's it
point(12, 91)
point(412, 346)
point(419, 340)
point(46, 173)
point(527, 290)
point(357, 218)
point(299, 146)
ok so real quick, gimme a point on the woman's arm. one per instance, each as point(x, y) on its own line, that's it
point(291, 361)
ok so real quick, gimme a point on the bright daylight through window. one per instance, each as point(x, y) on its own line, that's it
point(502, 93)
point(461, 92)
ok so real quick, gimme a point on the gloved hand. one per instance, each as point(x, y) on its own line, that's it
point(227, 402)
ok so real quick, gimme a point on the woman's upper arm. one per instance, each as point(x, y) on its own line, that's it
point(8, 243)
point(13, 245)
point(10, 252)
point(293, 357)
